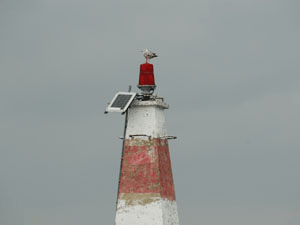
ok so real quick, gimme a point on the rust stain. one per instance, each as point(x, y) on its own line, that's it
point(140, 198)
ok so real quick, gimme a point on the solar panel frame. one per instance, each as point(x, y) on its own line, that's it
point(120, 102)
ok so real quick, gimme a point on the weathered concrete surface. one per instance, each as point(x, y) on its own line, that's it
point(158, 212)
point(147, 117)
point(146, 190)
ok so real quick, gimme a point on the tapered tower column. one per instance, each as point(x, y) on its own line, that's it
point(146, 194)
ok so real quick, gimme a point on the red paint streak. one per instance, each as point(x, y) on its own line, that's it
point(147, 169)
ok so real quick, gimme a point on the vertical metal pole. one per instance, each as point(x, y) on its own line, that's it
point(122, 154)
point(123, 146)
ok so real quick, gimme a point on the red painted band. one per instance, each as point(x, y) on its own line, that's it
point(147, 169)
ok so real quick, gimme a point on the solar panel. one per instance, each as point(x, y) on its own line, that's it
point(120, 102)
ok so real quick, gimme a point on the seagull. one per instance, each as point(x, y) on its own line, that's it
point(148, 54)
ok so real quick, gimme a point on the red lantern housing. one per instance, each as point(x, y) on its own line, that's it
point(146, 74)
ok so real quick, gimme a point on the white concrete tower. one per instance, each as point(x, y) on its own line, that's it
point(146, 194)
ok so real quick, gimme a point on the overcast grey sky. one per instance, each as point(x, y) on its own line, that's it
point(228, 68)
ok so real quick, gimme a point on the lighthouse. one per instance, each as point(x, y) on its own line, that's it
point(146, 194)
